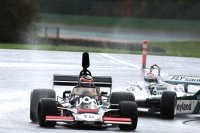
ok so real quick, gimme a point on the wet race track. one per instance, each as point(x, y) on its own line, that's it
point(23, 70)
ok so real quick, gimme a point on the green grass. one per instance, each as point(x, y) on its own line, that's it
point(141, 24)
point(189, 49)
point(60, 48)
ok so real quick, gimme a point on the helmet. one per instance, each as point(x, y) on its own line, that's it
point(86, 81)
point(150, 77)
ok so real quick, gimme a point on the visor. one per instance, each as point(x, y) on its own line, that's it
point(86, 84)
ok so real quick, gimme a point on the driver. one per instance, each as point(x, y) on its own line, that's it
point(150, 77)
point(86, 81)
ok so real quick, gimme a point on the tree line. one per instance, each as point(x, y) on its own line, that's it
point(16, 17)
point(179, 9)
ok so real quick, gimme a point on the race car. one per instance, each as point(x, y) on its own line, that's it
point(85, 103)
point(168, 94)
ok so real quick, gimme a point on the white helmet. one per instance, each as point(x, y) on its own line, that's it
point(150, 77)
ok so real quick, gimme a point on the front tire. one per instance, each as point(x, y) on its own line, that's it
point(128, 109)
point(168, 105)
point(47, 106)
point(36, 95)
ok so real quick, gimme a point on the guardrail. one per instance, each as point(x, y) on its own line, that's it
point(53, 35)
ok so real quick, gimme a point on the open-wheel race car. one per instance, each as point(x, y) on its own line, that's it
point(168, 95)
point(85, 103)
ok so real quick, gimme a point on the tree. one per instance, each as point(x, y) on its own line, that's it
point(16, 16)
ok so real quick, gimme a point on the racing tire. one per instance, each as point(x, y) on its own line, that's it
point(128, 109)
point(47, 106)
point(36, 95)
point(117, 97)
point(168, 105)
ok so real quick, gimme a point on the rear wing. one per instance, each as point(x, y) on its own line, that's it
point(180, 79)
point(72, 80)
point(184, 80)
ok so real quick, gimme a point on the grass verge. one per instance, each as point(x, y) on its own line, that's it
point(186, 49)
point(133, 23)
point(62, 48)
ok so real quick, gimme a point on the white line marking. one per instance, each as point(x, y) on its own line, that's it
point(31, 65)
point(163, 74)
point(121, 61)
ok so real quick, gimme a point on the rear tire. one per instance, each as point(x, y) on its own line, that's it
point(47, 106)
point(168, 105)
point(128, 109)
point(36, 95)
point(117, 97)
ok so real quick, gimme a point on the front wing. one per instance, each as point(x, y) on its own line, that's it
point(106, 120)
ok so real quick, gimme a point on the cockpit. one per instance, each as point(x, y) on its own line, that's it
point(81, 91)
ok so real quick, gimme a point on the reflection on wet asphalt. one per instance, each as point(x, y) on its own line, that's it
point(23, 70)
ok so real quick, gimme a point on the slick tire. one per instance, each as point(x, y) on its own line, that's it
point(117, 97)
point(128, 109)
point(47, 106)
point(36, 95)
point(168, 105)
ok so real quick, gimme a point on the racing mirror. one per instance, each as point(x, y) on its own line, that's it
point(85, 61)
point(66, 92)
point(104, 93)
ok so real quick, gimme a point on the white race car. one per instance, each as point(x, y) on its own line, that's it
point(168, 95)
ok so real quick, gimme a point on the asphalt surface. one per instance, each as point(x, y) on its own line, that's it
point(23, 70)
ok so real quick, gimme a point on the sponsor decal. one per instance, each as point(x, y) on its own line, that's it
point(157, 90)
point(86, 101)
point(130, 89)
point(184, 78)
point(135, 84)
point(154, 92)
point(88, 117)
point(186, 106)
point(161, 88)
